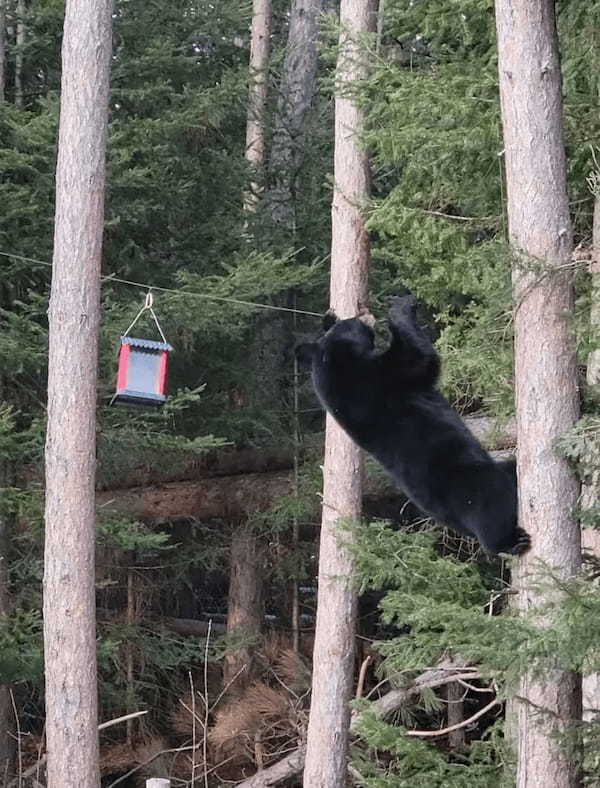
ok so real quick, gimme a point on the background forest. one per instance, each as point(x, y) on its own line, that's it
point(208, 509)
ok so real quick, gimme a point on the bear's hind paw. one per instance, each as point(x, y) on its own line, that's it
point(522, 543)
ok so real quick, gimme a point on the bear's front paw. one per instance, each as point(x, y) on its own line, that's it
point(402, 308)
point(329, 319)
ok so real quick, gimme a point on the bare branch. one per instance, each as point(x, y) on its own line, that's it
point(447, 671)
point(463, 724)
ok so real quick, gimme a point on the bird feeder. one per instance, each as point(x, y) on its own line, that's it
point(143, 366)
point(142, 375)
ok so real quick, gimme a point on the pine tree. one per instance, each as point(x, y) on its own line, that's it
point(74, 316)
point(333, 656)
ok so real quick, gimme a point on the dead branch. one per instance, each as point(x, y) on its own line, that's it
point(42, 760)
point(447, 671)
point(463, 724)
point(289, 766)
point(362, 675)
point(124, 718)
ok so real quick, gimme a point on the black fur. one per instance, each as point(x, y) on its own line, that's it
point(389, 404)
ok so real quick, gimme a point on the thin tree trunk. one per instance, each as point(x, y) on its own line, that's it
point(7, 724)
point(380, 25)
point(69, 593)
point(257, 95)
point(244, 604)
point(333, 660)
point(590, 494)
point(455, 716)
point(593, 362)
point(296, 94)
point(295, 521)
point(545, 370)
point(272, 337)
point(2, 50)
point(129, 652)
point(20, 43)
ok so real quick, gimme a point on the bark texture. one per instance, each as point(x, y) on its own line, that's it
point(257, 93)
point(228, 497)
point(273, 340)
point(7, 722)
point(2, 50)
point(546, 393)
point(591, 488)
point(20, 43)
point(593, 362)
point(333, 660)
point(69, 594)
point(590, 493)
point(457, 739)
point(296, 95)
point(244, 604)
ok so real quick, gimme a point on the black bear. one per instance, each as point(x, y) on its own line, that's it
point(387, 401)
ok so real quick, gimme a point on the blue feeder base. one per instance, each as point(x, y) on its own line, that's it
point(138, 397)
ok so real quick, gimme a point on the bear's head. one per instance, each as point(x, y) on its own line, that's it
point(336, 332)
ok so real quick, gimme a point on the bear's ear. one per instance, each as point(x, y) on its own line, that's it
point(329, 319)
point(305, 352)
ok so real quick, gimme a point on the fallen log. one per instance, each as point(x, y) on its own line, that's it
point(180, 466)
point(225, 497)
point(193, 627)
point(235, 497)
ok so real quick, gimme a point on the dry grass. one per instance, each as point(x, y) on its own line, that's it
point(258, 725)
point(265, 719)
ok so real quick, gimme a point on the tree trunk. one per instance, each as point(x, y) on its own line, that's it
point(591, 489)
point(455, 716)
point(590, 494)
point(296, 95)
point(244, 604)
point(69, 594)
point(20, 43)
point(593, 362)
point(132, 618)
point(545, 371)
point(273, 340)
point(7, 722)
point(333, 660)
point(2, 50)
point(257, 95)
